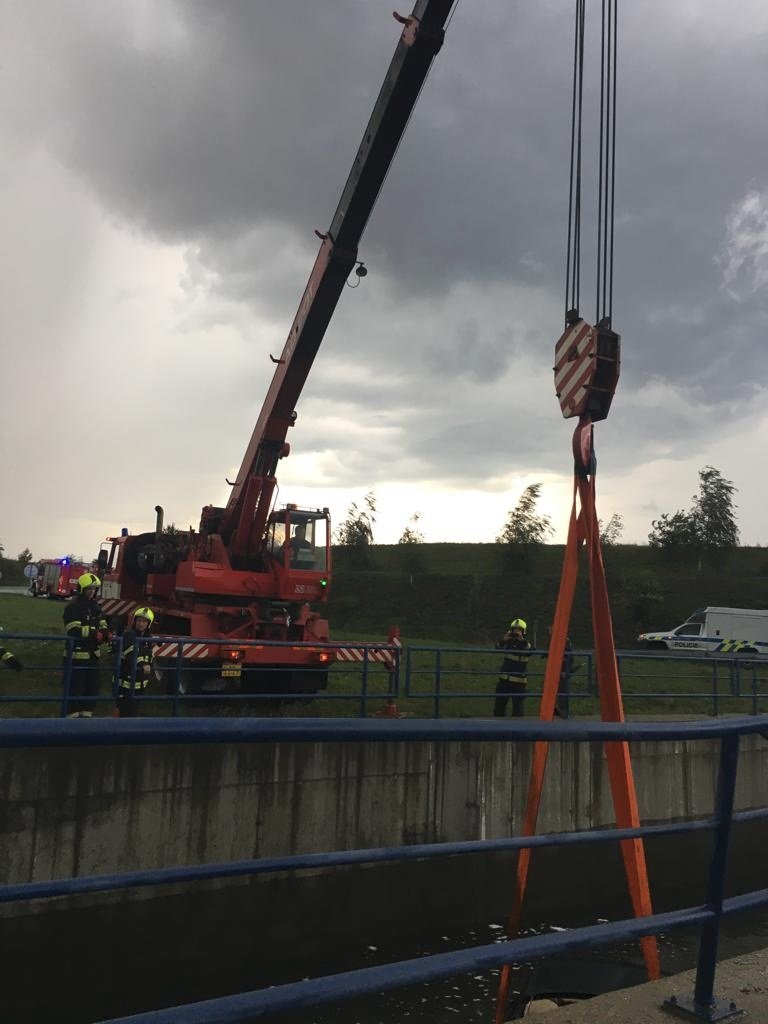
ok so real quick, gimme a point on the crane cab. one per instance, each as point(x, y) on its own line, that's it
point(298, 540)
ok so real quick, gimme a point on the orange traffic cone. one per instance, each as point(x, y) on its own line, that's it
point(388, 711)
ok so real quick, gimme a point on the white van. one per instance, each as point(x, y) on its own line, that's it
point(715, 630)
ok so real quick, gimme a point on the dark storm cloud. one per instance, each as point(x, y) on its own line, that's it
point(242, 124)
point(230, 126)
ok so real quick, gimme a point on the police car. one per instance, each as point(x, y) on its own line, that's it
point(715, 631)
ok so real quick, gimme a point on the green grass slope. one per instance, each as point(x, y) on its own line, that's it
point(467, 593)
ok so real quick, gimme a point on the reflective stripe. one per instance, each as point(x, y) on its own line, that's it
point(127, 650)
point(75, 624)
point(5, 656)
point(140, 684)
point(82, 655)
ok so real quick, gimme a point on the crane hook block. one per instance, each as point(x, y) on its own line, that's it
point(587, 369)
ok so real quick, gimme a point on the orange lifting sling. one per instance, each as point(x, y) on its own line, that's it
point(583, 530)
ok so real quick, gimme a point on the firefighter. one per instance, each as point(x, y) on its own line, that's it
point(85, 624)
point(513, 671)
point(10, 660)
point(130, 685)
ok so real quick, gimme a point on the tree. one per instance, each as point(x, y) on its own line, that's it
point(355, 534)
point(710, 525)
point(408, 554)
point(412, 535)
point(714, 512)
point(24, 557)
point(612, 530)
point(676, 530)
point(524, 529)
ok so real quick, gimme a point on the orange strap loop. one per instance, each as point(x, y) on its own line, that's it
point(583, 529)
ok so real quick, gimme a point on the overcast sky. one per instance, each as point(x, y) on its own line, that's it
point(165, 166)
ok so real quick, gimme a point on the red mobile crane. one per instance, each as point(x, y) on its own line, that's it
point(252, 571)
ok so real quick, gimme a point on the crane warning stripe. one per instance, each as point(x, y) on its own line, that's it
point(574, 369)
point(354, 654)
point(385, 656)
point(570, 400)
point(569, 338)
point(117, 607)
point(202, 650)
point(190, 650)
point(573, 365)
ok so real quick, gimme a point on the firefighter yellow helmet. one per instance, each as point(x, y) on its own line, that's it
point(518, 624)
point(144, 613)
point(88, 580)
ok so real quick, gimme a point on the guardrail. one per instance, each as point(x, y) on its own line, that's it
point(363, 675)
point(186, 681)
point(437, 675)
point(251, 1005)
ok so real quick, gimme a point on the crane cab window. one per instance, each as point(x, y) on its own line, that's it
point(302, 542)
point(301, 547)
point(276, 540)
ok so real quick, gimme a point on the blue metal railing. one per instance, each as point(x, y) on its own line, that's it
point(371, 672)
point(438, 675)
point(251, 1005)
point(434, 678)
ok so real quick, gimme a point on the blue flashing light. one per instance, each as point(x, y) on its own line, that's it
point(65, 561)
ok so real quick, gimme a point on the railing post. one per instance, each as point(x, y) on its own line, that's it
point(68, 648)
point(438, 664)
point(394, 675)
point(566, 684)
point(177, 676)
point(715, 688)
point(715, 694)
point(364, 684)
point(117, 650)
point(754, 689)
point(703, 1006)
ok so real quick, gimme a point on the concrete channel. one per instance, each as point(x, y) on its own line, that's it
point(81, 811)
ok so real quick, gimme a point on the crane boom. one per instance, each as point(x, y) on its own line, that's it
point(247, 580)
point(243, 522)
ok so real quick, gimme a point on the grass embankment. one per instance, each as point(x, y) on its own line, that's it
point(467, 678)
point(467, 593)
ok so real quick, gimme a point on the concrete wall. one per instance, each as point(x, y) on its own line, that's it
point(80, 811)
point(74, 811)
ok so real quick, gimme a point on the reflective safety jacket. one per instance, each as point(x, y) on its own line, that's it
point(83, 621)
point(516, 660)
point(144, 652)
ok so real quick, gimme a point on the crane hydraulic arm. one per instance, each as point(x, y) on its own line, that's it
point(243, 521)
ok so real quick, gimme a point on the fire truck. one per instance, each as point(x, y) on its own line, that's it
point(57, 578)
point(252, 571)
